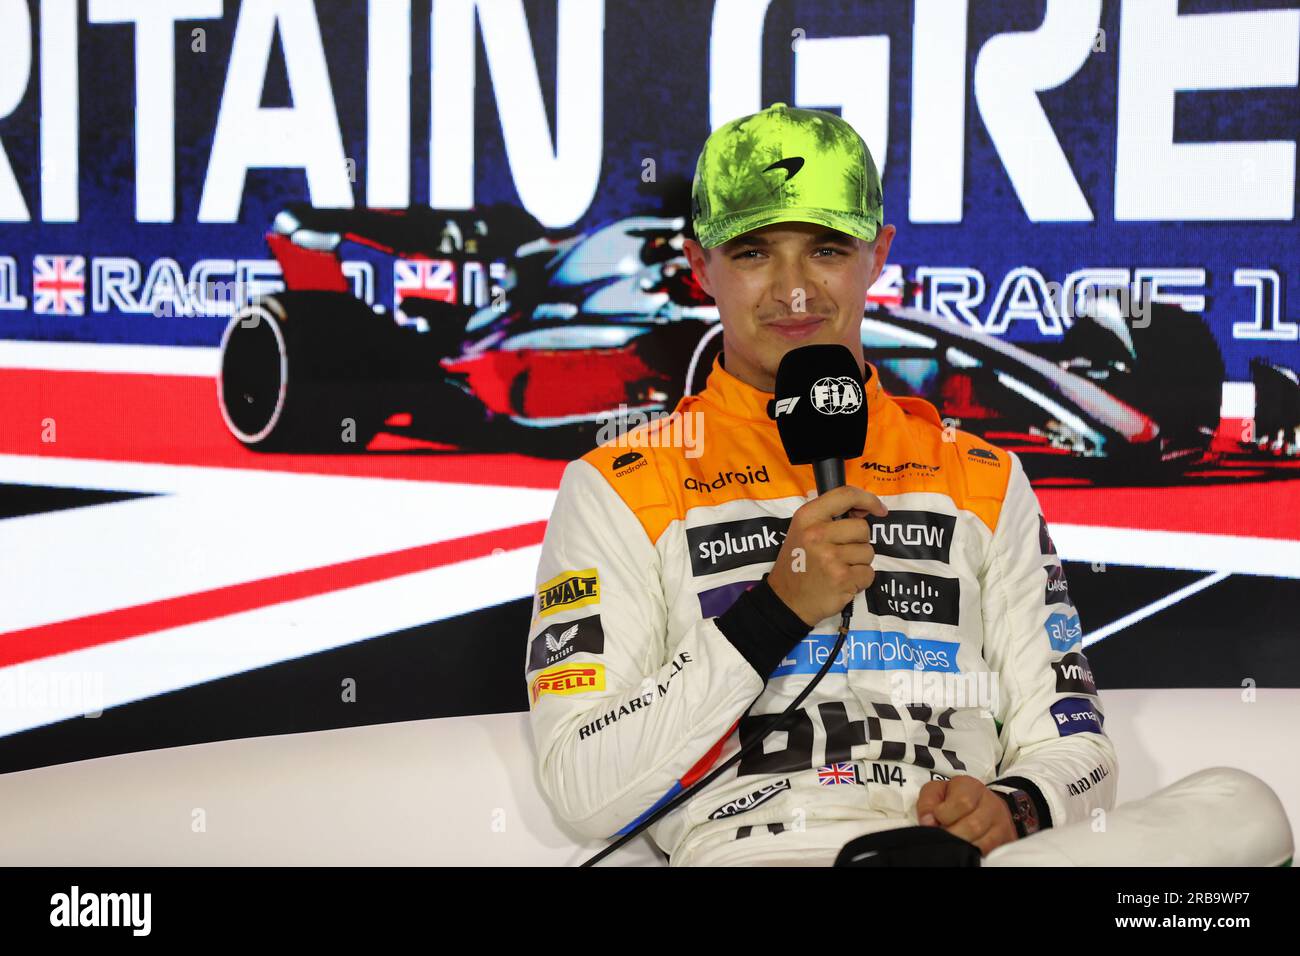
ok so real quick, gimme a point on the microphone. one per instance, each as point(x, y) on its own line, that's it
point(820, 410)
point(821, 414)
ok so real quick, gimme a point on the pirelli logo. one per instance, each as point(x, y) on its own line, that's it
point(571, 589)
point(569, 679)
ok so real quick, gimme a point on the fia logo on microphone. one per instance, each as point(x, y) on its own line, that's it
point(836, 396)
point(785, 406)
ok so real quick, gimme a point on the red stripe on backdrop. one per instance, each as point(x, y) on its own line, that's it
point(174, 420)
point(47, 640)
point(1264, 509)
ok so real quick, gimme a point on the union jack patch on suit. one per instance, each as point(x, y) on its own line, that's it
point(835, 773)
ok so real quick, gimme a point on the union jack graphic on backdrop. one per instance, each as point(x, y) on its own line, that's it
point(423, 279)
point(832, 774)
point(59, 285)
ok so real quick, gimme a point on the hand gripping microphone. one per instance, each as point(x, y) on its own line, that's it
point(821, 413)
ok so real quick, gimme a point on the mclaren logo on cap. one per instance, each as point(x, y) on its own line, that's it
point(792, 165)
point(836, 396)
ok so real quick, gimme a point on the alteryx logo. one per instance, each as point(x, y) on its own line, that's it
point(1063, 631)
point(869, 651)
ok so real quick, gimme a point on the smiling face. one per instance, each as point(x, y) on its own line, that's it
point(786, 285)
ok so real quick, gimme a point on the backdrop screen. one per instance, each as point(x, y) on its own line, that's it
point(304, 307)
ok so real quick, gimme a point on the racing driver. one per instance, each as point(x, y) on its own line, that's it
point(683, 599)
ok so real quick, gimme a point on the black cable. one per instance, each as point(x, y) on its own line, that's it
point(774, 724)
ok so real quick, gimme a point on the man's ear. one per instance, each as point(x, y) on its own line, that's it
point(880, 251)
point(695, 255)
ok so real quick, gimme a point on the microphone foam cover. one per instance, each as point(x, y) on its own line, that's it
point(820, 404)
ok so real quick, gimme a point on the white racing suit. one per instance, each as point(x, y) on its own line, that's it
point(656, 648)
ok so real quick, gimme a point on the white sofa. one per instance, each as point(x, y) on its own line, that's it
point(462, 791)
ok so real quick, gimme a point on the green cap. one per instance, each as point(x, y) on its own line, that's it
point(785, 165)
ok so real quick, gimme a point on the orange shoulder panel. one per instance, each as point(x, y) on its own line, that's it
point(973, 473)
point(632, 465)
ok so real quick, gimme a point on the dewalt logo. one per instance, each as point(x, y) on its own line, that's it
point(569, 590)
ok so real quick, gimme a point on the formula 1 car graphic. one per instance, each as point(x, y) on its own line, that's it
point(503, 337)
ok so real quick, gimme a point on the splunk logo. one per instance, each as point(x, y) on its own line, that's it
point(734, 544)
point(919, 535)
point(869, 651)
point(725, 478)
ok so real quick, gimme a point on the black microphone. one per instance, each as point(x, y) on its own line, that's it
point(821, 414)
point(821, 410)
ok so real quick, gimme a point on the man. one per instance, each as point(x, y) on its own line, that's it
point(685, 598)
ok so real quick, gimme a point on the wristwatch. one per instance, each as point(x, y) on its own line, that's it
point(1024, 814)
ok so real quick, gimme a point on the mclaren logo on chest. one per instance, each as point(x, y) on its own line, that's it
point(895, 471)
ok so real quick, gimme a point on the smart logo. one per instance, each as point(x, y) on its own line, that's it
point(1074, 715)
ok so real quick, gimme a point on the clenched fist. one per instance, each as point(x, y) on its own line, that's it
point(823, 562)
point(966, 808)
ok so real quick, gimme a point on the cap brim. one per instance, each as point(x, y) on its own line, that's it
point(727, 228)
